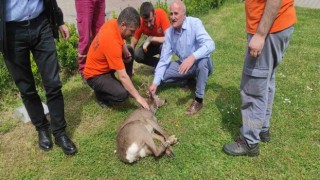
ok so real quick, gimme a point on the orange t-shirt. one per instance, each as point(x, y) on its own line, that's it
point(161, 24)
point(254, 10)
point(105, 52)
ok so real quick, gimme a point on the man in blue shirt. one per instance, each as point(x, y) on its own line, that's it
point(31, 26)
point(189, 40)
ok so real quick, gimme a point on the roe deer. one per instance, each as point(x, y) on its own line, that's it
point(135, 137)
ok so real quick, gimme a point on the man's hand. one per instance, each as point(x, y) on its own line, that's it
point(146, 44)
point(256, 45)
point(186, 64)
point(152, 89)
point(64, 32)
point(143, 102)
point(126, 54)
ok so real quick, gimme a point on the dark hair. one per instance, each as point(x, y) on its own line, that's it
point(129, 16)
point(145, 10)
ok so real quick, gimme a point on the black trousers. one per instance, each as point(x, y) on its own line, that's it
point(148, 58)
point(36, 37)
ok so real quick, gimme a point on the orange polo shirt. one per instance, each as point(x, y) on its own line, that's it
point(105, 52)
point(254, 9)
point(161, 24)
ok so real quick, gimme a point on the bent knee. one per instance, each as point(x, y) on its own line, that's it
point(121, 96)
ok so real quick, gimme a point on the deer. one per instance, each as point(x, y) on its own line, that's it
point(136, 135)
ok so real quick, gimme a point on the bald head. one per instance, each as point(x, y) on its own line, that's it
point(179, 4)
point(177, 14)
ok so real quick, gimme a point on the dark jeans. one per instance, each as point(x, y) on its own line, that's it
point(148, 58)
point(36, 38)
point(108, 88)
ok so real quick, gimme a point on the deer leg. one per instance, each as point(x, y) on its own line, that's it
point(169, 150)
point(156, 150)
point(155, 125)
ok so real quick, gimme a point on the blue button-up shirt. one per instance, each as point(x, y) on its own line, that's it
point(193, 39)
point(21, 10)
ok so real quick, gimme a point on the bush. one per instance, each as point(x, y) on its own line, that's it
point(6, 82)
point(200, 7)
point(163, 5)
point(67, 52)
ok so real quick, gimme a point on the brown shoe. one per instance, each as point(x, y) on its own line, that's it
point(194, 108)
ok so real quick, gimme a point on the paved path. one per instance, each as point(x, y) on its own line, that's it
point(69, 11)
point(315, 4)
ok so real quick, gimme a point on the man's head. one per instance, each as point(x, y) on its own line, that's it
point(147, 14)
point(177, 14)
point(128, 21)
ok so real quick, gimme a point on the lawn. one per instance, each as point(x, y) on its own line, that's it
point(293, 152)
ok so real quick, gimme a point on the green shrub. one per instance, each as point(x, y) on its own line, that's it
point(163, 5)
point(200, 7)
point(6, 83)
point(67, 52)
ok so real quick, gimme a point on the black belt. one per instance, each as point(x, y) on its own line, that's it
point(27, 22)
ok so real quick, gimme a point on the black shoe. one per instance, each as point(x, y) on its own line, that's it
point(241, 148)
point(265, 136)
point(45, 141)
point(104, 104)
point(66, 144)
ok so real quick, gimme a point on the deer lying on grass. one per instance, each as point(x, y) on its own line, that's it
point(135, 137)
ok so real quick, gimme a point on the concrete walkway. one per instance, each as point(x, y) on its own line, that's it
point(69, 11)
point(314, 4)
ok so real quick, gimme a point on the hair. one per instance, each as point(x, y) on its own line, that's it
point(180, 3)
point(145, 9)
point(129, 16)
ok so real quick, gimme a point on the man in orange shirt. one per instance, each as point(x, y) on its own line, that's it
point(108, 54)
point(269, 27)
point(154, 23)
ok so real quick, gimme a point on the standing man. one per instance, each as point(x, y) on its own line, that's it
point(32, 27)
point(90, 17)
point(108, 54)
point(269, 28)
point(154, 23)
point(189, 40)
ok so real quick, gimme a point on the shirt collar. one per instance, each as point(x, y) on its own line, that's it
point(183, 27)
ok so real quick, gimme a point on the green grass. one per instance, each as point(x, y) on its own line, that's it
point(293, 152)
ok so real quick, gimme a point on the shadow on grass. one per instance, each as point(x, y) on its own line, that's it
point(77, 97)
point(228, 103)
point(74, 100)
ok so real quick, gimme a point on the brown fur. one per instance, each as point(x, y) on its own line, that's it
point(138, 132)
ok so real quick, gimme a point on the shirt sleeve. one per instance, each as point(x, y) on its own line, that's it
point(165, 58)
point(206, 44)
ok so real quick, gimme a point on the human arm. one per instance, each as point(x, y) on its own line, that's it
point(152, 89)
point(126, 54)
point(134, 42)
point(127, 84)
point(270, 12)
point(165, 58)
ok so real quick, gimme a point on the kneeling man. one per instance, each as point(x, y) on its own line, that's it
point(108, 54)
point(189, 40)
